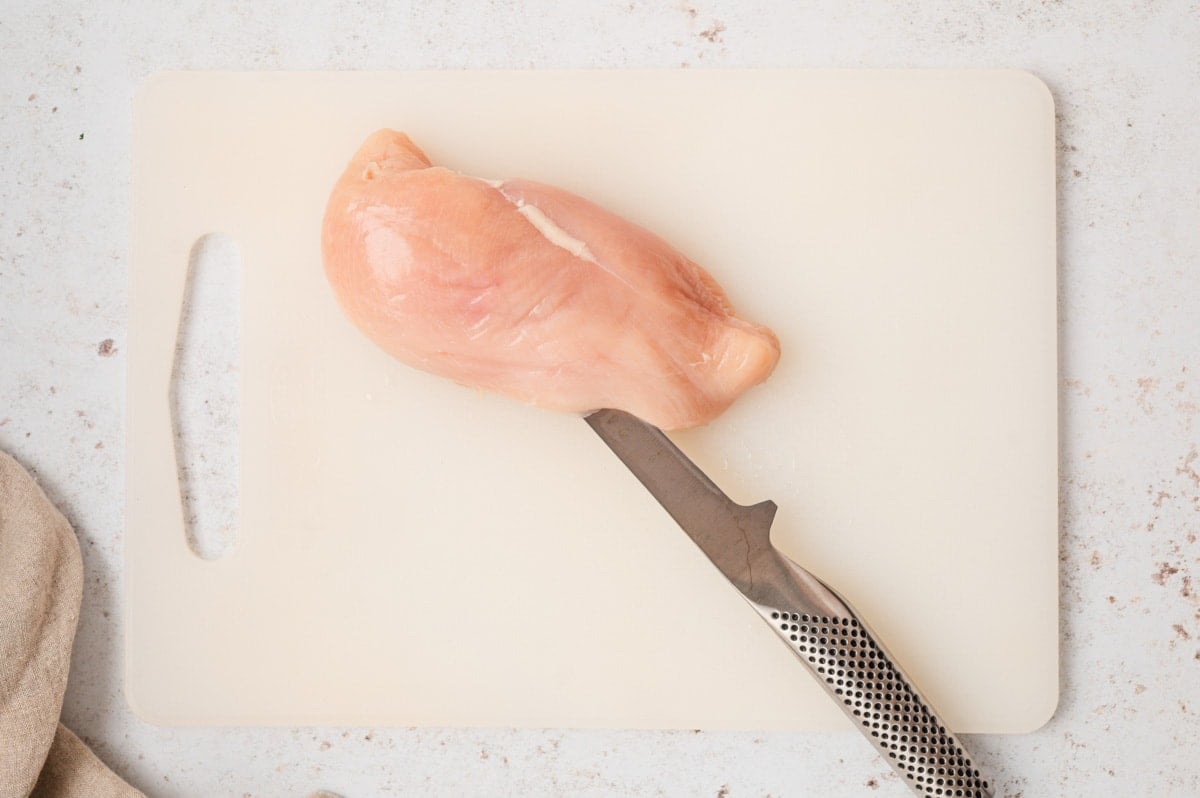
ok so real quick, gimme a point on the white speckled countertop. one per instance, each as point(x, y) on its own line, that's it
point(1126, 79)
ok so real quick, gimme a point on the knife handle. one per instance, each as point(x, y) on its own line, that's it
point(856, 670)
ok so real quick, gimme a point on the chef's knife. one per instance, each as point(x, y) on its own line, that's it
point(817, 624)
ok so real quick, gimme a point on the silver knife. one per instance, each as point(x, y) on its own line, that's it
point(817, 624)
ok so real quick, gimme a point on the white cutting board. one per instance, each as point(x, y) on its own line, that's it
point(412, 552)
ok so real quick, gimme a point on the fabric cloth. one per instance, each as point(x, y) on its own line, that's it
point(41, 582)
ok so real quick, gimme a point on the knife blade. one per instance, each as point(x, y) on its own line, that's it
point(817, 624)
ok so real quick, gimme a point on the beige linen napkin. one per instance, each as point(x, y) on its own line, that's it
point(41, 580)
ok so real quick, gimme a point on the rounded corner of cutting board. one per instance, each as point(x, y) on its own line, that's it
point(152, 86)
point(1042, 707)
point(1039, 94)
point(145, 708)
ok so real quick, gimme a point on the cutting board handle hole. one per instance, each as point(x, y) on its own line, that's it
point(205, 396)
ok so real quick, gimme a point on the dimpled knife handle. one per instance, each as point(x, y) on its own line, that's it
point(846, 659)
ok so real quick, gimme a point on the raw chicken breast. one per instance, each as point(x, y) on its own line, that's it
point(532, 292)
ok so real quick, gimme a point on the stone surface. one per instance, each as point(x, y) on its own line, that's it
point(1126, 78)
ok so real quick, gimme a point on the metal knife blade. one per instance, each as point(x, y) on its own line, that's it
point(816, 623)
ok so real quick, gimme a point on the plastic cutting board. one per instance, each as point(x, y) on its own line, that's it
point(412, 552)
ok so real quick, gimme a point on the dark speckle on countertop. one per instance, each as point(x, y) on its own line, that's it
point(712, 34)
point(1165, 571)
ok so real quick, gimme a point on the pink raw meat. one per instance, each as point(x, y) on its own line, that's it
point(532, 292)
